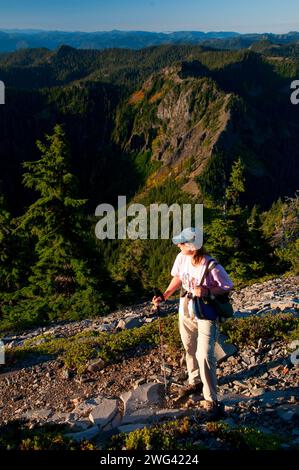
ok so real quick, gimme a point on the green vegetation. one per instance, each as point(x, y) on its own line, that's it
point(140, 265)
point(174, 435)
point(77, 350)
point(242, 438)
point(12, 269)
point(144, 165)
point(16, 435)
point(249, 330)
point(65, 279)
point(182, 434)
point(235, 234)
point(281, 228)
point(185, 433)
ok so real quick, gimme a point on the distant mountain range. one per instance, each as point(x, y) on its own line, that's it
point(14, 39)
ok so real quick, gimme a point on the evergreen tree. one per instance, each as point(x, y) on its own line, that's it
point(260, 255)
point(236, 237)
point(236, 185)
point(281, 228)
point(212, 182)
point(14, 252)
point(8, 276)
point(65, 280)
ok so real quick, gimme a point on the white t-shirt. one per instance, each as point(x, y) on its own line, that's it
point(191, 275)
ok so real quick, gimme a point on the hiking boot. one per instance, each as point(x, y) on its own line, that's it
point(188, 390)
point(214, 409)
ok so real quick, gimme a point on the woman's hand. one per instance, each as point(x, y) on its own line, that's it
point(201, 291)
point(175, 284)
point(157, 299)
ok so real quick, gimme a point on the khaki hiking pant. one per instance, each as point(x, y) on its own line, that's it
point(199, 338)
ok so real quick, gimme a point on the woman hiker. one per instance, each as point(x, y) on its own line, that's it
point(192, 268)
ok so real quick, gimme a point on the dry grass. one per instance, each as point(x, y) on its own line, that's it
point(156, 97)
point(136, 97)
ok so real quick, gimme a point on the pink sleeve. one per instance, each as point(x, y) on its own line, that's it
point(176, 268)
point(220, 278)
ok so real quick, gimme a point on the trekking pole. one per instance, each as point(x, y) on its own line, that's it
point(157, 293)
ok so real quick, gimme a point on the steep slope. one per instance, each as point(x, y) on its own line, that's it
point(178, 119)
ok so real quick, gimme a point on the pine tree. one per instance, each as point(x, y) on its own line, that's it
point(212, 182)
point(281, 227)
point(7, 274)
point(236, 237)
point(14, 252)
point(65, 279)
point(236, 185)
point(256, 245)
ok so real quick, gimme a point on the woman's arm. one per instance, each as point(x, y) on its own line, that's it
point(175, 284)
point(203, 291)
point(220, 277)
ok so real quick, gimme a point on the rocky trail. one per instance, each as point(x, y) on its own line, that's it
point(258, 384)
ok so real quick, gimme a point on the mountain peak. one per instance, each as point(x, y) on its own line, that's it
point(64, 50)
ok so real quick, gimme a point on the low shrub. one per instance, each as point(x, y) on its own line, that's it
point(249, 330)
point(174, 435)
point(243, 438)
point(16, 435)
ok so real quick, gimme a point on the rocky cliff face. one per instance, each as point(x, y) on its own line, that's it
point(187, 114)
point(180, 119)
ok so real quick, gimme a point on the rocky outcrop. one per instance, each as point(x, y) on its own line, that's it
point(181, 123)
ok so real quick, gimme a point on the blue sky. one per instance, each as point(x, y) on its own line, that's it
point(151, 15)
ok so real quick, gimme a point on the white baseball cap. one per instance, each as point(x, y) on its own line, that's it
point(191, 236)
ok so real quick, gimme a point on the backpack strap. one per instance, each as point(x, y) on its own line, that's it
point(211, 264)
point(208, 268)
